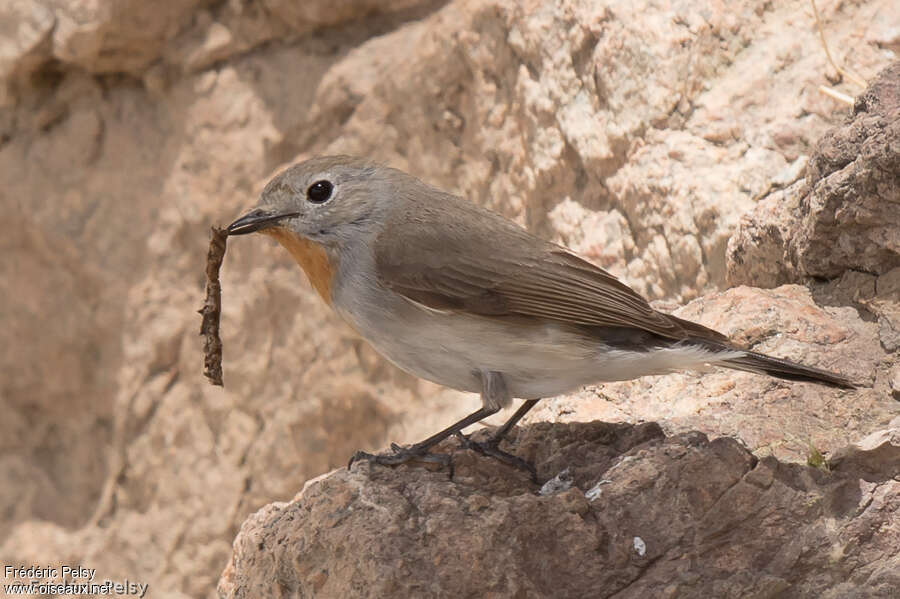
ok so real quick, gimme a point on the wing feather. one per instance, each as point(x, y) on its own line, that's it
point(497, 269)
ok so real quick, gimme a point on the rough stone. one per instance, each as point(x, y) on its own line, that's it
point(847, 213)
point(125, 36)
point(895, 382)
point(677, 517)
point(636, 133)
point(772, 417)
point(304, 16)
point(759, 251)
point(25, 29)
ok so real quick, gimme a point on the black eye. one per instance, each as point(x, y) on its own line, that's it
point(319, 192)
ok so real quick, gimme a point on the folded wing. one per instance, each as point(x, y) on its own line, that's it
point(500, 270)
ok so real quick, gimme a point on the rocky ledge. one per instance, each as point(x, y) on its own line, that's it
point(626, 511)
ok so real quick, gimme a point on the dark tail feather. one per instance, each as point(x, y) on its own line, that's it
point(785, 369)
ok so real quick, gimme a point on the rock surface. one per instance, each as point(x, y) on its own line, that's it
point(645, 516)
point(770, 416)
point(845, 216)
point(638, 134)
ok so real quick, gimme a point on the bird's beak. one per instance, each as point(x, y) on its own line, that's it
point(257, 219)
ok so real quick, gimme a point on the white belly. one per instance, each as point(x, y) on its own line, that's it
point(539, 360)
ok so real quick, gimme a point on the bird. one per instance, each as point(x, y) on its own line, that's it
point(459, 295)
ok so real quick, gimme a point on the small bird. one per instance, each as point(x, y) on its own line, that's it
point(459, 295)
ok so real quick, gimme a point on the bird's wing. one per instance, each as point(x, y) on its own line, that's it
point(497, 269)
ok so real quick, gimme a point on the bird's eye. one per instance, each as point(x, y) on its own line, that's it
point(319, 192)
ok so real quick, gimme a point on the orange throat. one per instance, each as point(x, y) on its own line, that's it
point(310, 256)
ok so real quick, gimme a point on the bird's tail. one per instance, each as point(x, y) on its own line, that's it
point(785, 369)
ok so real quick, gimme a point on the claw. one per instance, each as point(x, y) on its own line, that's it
point(490, 448)
point(401, 455)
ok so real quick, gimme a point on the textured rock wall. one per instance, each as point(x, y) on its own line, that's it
point(638, 134)
point(845, 215)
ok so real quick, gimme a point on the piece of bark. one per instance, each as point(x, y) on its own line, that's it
point(212, 308)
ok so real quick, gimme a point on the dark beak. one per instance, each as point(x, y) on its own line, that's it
point(257, 219)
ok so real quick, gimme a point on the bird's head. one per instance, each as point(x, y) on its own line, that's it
point(329, 200)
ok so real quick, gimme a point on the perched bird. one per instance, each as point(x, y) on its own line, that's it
point(458, 295)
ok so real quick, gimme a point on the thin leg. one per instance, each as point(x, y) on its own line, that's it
point(491, 446)
point(494, 394)
point(424, 446)
point(513, 420)
point(419, 450)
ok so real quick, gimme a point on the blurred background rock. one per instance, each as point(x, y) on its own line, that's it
point(638, 134)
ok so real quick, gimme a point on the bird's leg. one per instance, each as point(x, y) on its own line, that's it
point(513, 420)
point(399, 455)
point(491, 446)
point(493, 395)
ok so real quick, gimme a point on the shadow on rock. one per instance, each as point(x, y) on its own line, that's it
point(627, 512)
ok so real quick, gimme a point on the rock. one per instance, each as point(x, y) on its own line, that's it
point(884, 304)
point(130, 36)
point(636, 133)
point(56, 394)
point(895, 382)
point(875, 457)
point(854, 180)
point(679, 516)
point(305, 16)
point(759, 252)
point(25, 29)
point(847, 213)
point(121, 37)
point(888, 313)
point(771, 417)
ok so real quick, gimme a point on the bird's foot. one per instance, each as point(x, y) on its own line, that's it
point(490, 448)
point(400, 455)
